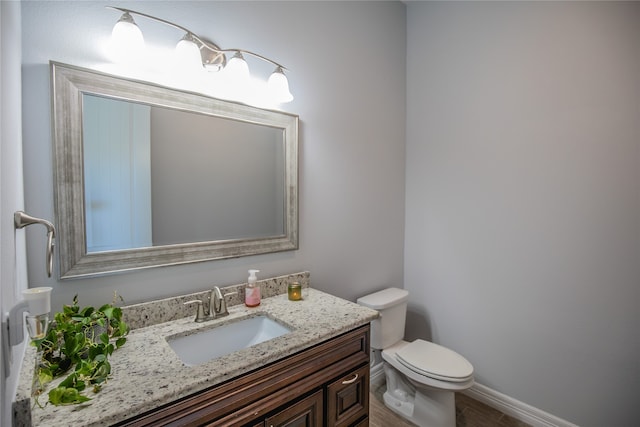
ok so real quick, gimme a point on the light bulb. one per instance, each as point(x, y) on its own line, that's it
point(126, 37)
point(188, 53)
point(278, 86)
point(237, 69)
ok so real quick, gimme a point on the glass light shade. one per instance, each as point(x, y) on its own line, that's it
point(237, 69)
point(188, 53)
point(278, 86)
point(126, 35)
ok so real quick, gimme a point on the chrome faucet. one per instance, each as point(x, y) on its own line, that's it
point(217, 304)
point(216, 307)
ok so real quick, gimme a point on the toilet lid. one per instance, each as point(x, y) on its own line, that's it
point(435, 361)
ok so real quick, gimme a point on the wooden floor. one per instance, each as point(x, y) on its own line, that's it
point(381, 416)
point(469, 413)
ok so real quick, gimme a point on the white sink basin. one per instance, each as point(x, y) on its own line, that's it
point(218, 341)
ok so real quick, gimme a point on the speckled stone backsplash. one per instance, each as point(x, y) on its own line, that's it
point(165, 310)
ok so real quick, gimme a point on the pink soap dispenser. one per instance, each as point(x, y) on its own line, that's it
point(252, 291)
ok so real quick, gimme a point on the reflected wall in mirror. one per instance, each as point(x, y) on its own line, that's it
point(149, 176)
point(223, 180)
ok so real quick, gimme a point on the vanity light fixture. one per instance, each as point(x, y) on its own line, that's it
point(192, 49)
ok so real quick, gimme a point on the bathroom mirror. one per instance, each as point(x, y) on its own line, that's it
point(149, 176)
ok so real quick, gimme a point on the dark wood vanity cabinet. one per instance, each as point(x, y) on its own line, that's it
point(305, 413)
point(325, 385)
point(347, 399)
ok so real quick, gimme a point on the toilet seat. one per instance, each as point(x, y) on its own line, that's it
point(435, 361)
point(422, 375)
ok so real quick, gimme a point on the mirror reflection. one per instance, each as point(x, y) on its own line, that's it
point(149, 183)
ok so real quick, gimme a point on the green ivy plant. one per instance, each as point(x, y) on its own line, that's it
point(78, 344)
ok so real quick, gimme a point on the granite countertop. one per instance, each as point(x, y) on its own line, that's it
point(146, 373)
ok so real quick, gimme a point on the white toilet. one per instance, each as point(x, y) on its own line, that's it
point(421, 376)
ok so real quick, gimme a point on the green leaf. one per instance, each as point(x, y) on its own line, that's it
point(69, 381)
point(66, 396)
point(104, 338)
point(70, 345)
point(120, 342)
point(58, 320)
point(123, 329)
point(64, 366)
point(84, 368)
point(96, 351)
point(87, 311)
point(108, 312)
point(55, 395)
point(44, 376)
point(74, 344)
point(69, 310)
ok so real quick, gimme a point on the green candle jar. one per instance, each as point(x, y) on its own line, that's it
point(294, 291)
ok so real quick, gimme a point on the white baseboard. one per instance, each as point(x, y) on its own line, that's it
point(514, 408)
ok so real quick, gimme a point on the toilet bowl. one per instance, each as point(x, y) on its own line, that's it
point(421, 377)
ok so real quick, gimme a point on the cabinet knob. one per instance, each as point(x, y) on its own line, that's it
point(352, 380)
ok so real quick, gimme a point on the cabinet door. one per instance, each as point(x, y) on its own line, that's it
point(348, 398)
point(306, 413)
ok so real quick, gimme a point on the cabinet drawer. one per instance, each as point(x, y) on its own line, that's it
point(363, 423)
point(306, 413)
point(348, 398)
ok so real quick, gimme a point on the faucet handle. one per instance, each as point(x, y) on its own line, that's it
point(224, 302)
point(218, 303)
point(200, 317)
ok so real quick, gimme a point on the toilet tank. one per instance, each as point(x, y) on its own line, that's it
point(387, 329)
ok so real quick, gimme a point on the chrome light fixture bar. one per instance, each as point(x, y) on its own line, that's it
point(211, 56)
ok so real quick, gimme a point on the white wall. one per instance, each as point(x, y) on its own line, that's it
point(522, 243)
point(12, 247)
point(347, 63)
